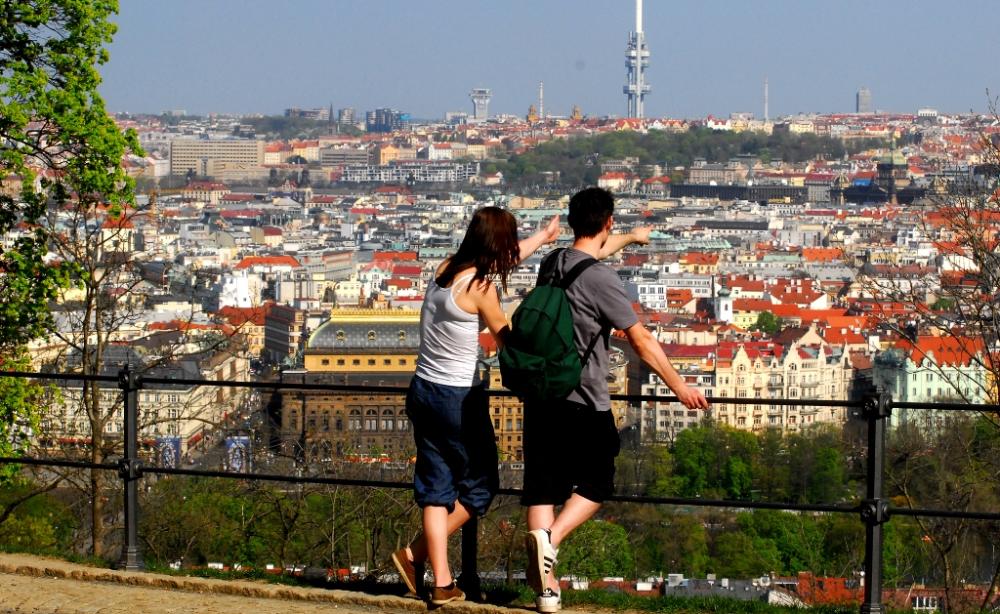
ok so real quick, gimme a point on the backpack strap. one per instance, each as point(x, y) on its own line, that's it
point(593, 344)
point(570, 276)
point(565, 282)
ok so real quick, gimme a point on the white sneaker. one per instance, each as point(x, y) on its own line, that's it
point(541, 558)
point(548, 601)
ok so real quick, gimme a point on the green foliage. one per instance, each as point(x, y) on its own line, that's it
point(39, 524)
point(768, 323)
point(665, 541)
point(597, 549)
point(619, 602)
point(59, 146)
point(281, 127)
point(197, 521)
point(578, 160)
point(714, 462)
point(19, 402)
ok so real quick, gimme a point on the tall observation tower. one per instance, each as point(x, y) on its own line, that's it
point(636, 61)
point(480, 103)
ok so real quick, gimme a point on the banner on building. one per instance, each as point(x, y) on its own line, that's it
point(238, 454)
point(168, 451)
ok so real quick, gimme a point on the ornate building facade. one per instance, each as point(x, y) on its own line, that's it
point(374, 348)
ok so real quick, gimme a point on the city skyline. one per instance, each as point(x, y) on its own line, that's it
point(241, 57)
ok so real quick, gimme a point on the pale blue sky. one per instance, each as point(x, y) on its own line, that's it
point(711, 56)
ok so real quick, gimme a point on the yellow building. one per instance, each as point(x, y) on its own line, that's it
point(359, 347)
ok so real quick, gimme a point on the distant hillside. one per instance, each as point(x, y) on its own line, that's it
point(578, 159)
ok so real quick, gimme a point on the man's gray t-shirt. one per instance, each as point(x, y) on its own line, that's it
point(598, 302)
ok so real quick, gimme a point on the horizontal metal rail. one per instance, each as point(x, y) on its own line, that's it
point(275, 477)
point(946, 406)
point(56, 462)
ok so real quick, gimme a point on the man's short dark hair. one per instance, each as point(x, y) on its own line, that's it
point(589, 211)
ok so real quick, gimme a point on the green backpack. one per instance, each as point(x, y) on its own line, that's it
point(539, 359)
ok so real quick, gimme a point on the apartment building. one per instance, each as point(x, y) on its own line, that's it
point(797, 364)
point(209, 157)
point(180, 410)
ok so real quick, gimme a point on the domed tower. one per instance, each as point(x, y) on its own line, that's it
point(532, 114)
point(724, 305)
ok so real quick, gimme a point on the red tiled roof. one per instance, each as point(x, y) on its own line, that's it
point(238, 316)
point(944, 350)
point(407, 270)
point(266, 261)
point(240, 213)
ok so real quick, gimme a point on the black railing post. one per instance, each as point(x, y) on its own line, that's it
point(469, 580)
point(130, 470)
point(874, 509)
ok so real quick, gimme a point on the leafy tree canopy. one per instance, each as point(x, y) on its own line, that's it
point(577, 160)
point(59, 146)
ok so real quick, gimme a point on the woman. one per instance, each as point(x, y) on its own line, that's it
point(456, 469)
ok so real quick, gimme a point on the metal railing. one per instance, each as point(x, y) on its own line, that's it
point(874, 510)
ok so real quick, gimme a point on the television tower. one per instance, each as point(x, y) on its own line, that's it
point(636, 61)
point(765, 100)
point(480, 103)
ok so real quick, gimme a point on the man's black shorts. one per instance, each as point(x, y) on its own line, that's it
point(568, 448)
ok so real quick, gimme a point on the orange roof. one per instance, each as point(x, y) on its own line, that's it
point(253, 261)
point(945, 350)
point(117, 223)
point(382, 255)
point(822, 254)
point(183, 325)
point(238, 316)
point(751, 304)
point(842, 336)
point(700, 258)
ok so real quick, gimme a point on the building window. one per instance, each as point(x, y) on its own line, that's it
point(340, 362)
point(402, 336)
point(325, 361)
point(356, 362)
point(341, 335)
point(371, 362)
point(371, 335)
point(387, 361)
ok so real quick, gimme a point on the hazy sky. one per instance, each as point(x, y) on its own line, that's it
point(708, 56)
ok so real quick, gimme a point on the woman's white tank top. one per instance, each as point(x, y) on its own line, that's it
point(449, 337)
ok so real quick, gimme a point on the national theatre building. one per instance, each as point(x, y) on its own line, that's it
point(358, 347)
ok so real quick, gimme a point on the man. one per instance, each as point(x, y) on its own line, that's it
point(570, 446)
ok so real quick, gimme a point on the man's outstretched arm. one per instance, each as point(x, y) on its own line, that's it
point(649, 350)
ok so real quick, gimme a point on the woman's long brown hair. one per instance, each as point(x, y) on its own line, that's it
point(490, 245)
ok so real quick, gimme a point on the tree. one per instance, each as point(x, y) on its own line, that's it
point(597, 549)
point(952, 468)
point(948, 331)
point(60, 149)
point(768, 323)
